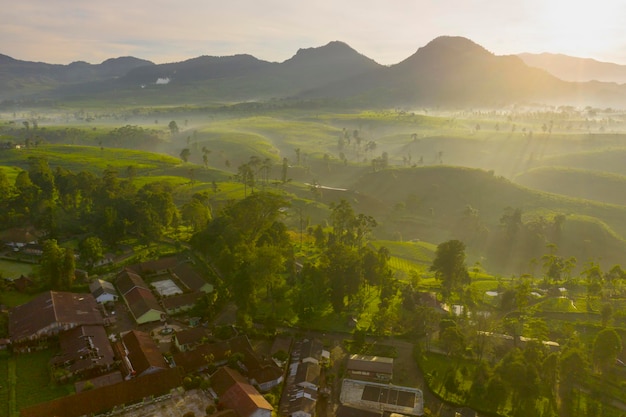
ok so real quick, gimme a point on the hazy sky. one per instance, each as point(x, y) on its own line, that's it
point(388, 31)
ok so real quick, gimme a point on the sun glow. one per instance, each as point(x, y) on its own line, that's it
point(577, 27)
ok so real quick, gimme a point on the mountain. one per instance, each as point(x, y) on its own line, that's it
point(571, 68)
point(20, 78)
point(448, 71)
point(244, 75)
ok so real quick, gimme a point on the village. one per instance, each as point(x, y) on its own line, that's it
point(132, 348)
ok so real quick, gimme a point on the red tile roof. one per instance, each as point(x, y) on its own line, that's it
point(126, 280)
point(143, 352)
point(140, 301)
point(100, 400)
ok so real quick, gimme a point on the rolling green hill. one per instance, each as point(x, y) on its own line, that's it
point(577, 183)
point(430, 204)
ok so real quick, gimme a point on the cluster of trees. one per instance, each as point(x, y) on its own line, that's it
point(251, 248)
point(61, 203)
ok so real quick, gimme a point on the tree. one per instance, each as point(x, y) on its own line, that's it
point(606, 346)
point(184, 154)
point(173, 126)
point(449, 266)
point(91, 250)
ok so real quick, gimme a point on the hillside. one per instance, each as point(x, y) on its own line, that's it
point(432, 204)
point(569, 68)
point(577, 183)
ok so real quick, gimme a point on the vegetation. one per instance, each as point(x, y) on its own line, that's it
point(380, 223)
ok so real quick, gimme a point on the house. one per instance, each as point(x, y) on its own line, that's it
point(236, 393)
point(22, 283)
point(138, 297)
point(370, 368)
point(155, 267)
point(313, 351)
point(143, 306)
point(266, 376)
point(85, 351)
point(186, 340)
point(308, 375)
point(50, 313)
point(181, 302)
point(126, 280)
point(98, 401)
point(191, 279)
point(140, 354)
point(103, 291)
point(302, 403)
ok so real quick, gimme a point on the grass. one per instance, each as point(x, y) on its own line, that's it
point(15, 298)
point(34, 384)
point(10, 269)
point(6, 386)
point(89, 158)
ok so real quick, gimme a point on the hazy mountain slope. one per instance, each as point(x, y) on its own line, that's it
point(577, 183)
point(571, 68)
point(26, 77)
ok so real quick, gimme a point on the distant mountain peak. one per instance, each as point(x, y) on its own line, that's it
point(457, 44)
point(331, 48)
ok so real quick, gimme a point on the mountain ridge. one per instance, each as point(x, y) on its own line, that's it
point(449, 70)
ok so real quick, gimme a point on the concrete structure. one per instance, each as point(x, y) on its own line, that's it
point(375, 396)
point(370, 368)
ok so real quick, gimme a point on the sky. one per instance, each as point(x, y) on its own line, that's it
point(387, 31)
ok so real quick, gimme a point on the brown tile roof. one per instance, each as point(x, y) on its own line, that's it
point(224, 378)
point(192, 336)
point(308, 372)
point(189, 276)
point(127, 280)
point(175, 302)
point(153, 266)
point(84, 348)
point(52, 312)
point(281, 343)
point(196, 359)
point(140, 301)
point(244, 399)
point(265, 374)
point(100, 400)
point(311, 349)
point(142, 352)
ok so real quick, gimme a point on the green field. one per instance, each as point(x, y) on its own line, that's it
point(32, 382)
point(10, 269)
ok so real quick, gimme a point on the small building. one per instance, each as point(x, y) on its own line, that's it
point(103, 291)
point(143, 306)
point(313, 351)
point(181, 302)
point(236, 393)
point(186, 340)
point(370, 368)
point(308, 375)
point(302, 403)
point(140, 354)
point(22, 283)
point(85, 351)
point(189, 277)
